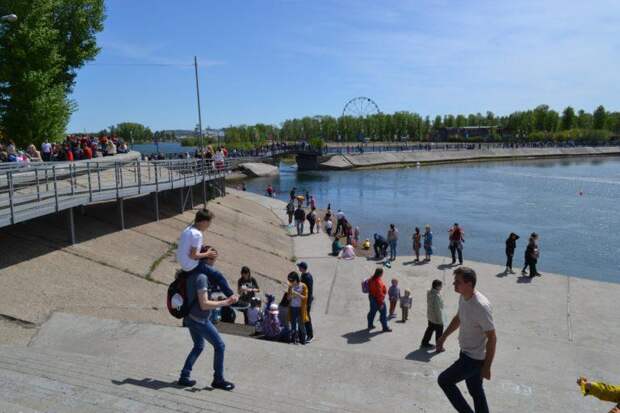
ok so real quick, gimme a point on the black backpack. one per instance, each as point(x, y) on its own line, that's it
point(178, 302)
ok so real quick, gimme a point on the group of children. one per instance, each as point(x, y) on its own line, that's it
point(406, 301)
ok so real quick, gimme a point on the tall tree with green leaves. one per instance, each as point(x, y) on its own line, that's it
point(599, 118)
point(39, 58)
point(568, 120)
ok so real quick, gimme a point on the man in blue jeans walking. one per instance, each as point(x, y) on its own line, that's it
point(477, 340)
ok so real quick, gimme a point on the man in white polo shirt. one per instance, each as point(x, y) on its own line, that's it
point(477, 340)
point(189, 255)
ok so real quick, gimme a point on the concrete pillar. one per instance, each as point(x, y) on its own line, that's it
point(156, 200)
point(121, 212)
point(71, 226)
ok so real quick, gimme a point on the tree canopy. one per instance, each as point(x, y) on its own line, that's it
point(39, 58)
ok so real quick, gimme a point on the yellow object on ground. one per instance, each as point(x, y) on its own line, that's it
point(602, 391)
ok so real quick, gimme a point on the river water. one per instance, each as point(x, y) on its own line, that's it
point(572, 204)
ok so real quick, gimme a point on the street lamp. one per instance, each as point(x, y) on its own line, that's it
point(11, 18)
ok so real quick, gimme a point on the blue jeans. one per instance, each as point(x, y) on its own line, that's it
point(468, 369)
point(298, 328)
point(300, 227)
point(214, 277)
point(374, 307)
point(201, 332)
point(392, 244)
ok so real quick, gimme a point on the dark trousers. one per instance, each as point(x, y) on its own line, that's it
point(468, 369)
point(308, 325)
point(453, 250)
point(298, 329)
point(311, 226)
point(380, 250)
point(374, 307)
point(509, 260)
point(201, 332)
point(290, 218)
point(532, 265)
point(432, 327)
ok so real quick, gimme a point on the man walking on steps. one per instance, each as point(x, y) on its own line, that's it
point(477, 341)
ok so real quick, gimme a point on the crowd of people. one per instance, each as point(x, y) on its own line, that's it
point(289, 319)
point(73, 148)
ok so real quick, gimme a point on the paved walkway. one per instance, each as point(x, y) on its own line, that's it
point(550, 331)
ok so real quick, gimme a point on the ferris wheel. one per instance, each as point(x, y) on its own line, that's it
point(360, 107)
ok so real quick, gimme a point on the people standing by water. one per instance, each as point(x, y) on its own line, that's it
point(292, 193)
point(511, 245)
point(376, 298)
point(307, 198)
point(477, 341)
point(456, 239)
point(300, 218)
point(434, 314)
point(270, 191)
point(311, 217)
point(417, 243)
point(290, 210)
point(393, 295)
point(532, 253)
point(428, 243)
point(392, 239)
point(340, 220)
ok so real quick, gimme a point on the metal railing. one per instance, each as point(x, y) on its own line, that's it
point(43, 188)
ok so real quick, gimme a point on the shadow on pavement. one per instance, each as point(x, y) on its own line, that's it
point(360, 336)
point(153, 384)
point(421, 354)
point(446, 266)
point(501, 274)
point(524, 279)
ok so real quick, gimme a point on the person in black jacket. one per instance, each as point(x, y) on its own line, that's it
point(380, 246)
point(307, 279)
point(300, 217)
point(511, 245)
point(531, 256)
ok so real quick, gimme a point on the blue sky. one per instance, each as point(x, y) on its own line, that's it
point(267, 61)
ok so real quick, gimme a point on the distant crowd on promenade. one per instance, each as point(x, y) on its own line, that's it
point(73, 148)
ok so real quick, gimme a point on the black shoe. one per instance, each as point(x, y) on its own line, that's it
point(538, 274)
point(185, 382)
point(371, 327)
point(223, 385)
point(387, 330)
point(423, 345)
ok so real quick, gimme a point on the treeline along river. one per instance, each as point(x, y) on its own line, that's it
point(572, 204)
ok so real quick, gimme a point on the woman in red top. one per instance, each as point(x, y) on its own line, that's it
point(376, 296)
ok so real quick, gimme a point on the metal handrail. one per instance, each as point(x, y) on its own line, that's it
point(51, 187)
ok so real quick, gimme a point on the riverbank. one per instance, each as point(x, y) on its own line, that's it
point(396, 159)
point(550, 330)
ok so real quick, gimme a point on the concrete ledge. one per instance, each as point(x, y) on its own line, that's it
point(256, 169)
point(370, 160)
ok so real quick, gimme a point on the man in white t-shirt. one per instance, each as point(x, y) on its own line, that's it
point(477, 340)
point(189, 256)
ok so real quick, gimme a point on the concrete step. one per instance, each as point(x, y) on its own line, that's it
point(39, 378)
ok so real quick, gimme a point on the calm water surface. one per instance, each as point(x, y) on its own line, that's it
point(579, 234)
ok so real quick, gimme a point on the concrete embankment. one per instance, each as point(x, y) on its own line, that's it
point(124, 274)
point(388, 159)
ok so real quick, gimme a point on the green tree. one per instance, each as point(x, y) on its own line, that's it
point(568, 120)
point(135, 132)
point(599, 118)
point(39, 58)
